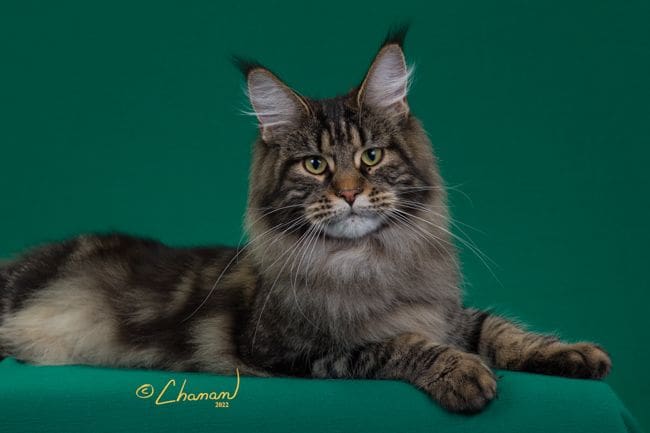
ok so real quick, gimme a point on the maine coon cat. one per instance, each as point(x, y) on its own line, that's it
point(350, 271)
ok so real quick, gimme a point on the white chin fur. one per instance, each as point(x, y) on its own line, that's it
point(353, 226)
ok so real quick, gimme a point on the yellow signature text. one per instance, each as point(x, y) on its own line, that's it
point(172, 394)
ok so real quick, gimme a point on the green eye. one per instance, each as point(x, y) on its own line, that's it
point(372, 156)
point(315, 165)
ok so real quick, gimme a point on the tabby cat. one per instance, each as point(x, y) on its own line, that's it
point(350, 271)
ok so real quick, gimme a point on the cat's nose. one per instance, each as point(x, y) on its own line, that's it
point(349, 195)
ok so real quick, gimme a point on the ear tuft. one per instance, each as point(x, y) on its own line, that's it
point(396, 35)
point(245, 65)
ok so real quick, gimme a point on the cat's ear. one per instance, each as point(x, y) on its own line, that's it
point(386, 84)
point(277, 107)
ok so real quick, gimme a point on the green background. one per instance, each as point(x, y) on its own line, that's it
point(126, 116)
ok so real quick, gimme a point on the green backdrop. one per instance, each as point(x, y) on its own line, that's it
point(126, 116)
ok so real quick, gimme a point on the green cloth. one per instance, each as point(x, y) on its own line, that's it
point(83, 399)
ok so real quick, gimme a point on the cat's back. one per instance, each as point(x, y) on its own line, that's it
point(110, 261)
point(86, 296)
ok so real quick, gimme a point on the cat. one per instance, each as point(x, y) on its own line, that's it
point(350, 271)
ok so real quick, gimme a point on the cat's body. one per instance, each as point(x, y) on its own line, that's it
point(350, 272)
point(113, 299)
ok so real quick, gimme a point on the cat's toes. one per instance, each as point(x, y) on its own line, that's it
point(579, 360)
point(465, 384)
point(597, 360)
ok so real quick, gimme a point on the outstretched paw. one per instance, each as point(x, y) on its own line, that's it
point(579, 360)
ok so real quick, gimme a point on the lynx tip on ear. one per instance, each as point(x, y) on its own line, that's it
point(396, 35)
point(245, 65)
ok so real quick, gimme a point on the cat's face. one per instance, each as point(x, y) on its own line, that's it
point(352, 178)
point(346, 167)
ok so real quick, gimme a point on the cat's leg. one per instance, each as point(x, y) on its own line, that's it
point(504, 344)
point(459, 381)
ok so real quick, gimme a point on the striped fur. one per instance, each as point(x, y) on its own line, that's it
point(505, 345)
point(349, 273)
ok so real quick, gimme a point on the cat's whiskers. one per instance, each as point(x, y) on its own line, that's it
point(273, 208)
point(235, 258)
point(447, 188)
point(468, 243)
point(313, 242)
point(422, 234)
point(321, 229)
point(294, 224)
point(289, 251)
point(263, 215)
point(455, 222)
point(294, 280)
point(479, 254)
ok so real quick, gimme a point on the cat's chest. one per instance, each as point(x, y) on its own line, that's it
point(359, 295)
point(347, 322)
point(357, 313)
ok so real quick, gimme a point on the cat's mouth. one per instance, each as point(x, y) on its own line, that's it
point(353, 224)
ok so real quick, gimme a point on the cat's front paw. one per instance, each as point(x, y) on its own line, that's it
point(579, 360)
point(461, 382)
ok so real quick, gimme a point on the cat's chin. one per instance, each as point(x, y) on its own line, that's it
point(353, 226)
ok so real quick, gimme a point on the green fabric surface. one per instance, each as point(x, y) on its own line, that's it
point(82, 399)
point(126, 116)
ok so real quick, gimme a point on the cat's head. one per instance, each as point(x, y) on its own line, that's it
point(346, 167)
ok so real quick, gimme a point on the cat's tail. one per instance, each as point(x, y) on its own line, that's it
point(4, 282)
point(3, 277)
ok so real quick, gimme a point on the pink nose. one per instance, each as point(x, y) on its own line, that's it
point(349, 195)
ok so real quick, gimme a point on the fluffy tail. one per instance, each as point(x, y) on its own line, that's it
point(3, 296)
point(4, 281)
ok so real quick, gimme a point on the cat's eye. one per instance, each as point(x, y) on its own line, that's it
point(315, 165)
point(372, 156)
